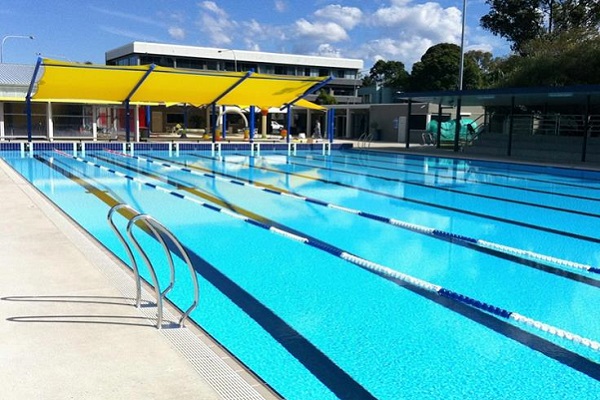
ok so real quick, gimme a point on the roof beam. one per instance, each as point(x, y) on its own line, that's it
point(137, 85)
point(238, 83)
point(28, 97)
point(313, 89)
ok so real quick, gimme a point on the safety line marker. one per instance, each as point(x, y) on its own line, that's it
point(372, 266)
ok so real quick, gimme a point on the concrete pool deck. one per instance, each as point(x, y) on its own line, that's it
point(69, 330)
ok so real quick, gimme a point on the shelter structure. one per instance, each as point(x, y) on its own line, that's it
point(55, 81)
point(545, 123)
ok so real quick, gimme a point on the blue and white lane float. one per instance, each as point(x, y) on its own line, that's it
point(402, 224)
point(368, 265)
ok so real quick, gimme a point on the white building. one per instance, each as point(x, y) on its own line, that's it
point(345, 71)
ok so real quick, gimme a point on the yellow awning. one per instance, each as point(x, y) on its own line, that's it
point(102, 84)
point(307, 104)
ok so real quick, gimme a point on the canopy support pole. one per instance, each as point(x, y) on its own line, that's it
point(252, 123)
point(288, 123)
point(28, 97)
point(128, 98)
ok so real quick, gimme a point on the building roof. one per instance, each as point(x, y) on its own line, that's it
point(173, 50)
point(15, 74)
point(564, 95)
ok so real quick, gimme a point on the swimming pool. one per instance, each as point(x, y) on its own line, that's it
point(342, 275)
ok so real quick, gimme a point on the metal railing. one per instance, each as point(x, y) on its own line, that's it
point(364, 140)
point(159, 232)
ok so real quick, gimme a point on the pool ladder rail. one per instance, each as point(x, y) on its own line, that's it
point(159, 231)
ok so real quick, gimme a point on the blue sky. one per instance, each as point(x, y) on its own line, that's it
point(399, 30)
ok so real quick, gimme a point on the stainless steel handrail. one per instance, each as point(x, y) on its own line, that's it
point(134, 266)
point(159, 231)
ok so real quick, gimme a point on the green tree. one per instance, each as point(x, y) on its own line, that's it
point(569, 58)
point(438, 69)
point(387, 74)
point(488, 65)
point(324, 97)
point(520, 21)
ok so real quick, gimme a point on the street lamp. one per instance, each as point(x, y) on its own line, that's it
point(462, 47)
point(234, 57)
point(9, 37)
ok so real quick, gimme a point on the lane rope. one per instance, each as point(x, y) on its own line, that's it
point(391, 221)
point(369, 265)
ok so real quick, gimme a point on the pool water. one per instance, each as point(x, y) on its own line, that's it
point(315, 326)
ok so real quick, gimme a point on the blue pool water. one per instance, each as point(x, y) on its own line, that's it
point(315, 326)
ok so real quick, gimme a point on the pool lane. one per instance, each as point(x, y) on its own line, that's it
point(399, 378)
point(517, 283)
point(498, 250)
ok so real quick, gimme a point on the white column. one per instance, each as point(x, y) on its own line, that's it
point(263, 125)
point(136, 118)
point(95, 123)
point(49, 121)
point(2, 122)
point(348, 123)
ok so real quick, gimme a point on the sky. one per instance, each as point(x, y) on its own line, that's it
point(370, 30)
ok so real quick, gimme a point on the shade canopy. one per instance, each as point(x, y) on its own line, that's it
point(148, 84)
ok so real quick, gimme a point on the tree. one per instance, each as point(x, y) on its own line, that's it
point(569, 58)
point(520, 21)
point(387, 74)
point(489, 67)
point(325, 97)
point(439, 70)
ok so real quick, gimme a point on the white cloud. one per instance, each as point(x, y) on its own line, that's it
point(327, 50)
point(211, 6)
point(428, 21)
point(216, 24)
point(280, 5)
point(347, 17)
point(408, 50)
point(177, 33)
point(319, 31)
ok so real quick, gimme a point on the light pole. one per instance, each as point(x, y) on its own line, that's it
point(9, 37)
point(234, 57)
point(462, 47)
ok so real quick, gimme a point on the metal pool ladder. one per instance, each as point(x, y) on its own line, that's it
point(159, 232)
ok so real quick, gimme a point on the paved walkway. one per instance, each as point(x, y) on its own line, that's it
point(67, 331)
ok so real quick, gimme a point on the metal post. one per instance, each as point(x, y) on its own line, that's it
point(251, 123)
point(458, 126)
point(510, 126)
point(288, 123)
point(586, 128)
point(224, 122)
point(214, 122)
point(28, 97)
point(439, 127)
point(9, 37)
point(127, 127)
point(407, 129)
point(234, 57)
point(462, 47)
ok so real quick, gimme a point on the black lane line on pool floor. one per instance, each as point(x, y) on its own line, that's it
point(454, 178)
point(421, 202)
point(450, 190)
point(457, 241)
point(537, 343)
point(488, 164)
point(313, 359)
